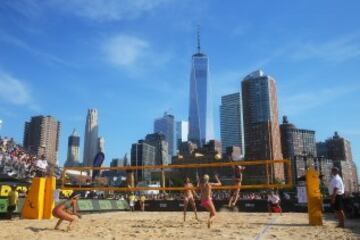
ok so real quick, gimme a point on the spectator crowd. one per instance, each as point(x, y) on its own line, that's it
point(17, 163)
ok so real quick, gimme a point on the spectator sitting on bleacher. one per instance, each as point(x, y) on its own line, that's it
point(41, 166)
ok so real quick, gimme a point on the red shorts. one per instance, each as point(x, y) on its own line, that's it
point(206, 202)
point(275, 208)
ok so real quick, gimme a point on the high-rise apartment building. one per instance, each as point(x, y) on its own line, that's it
point(200, 109)
point(231, 122)
point(261, 124)
point(298, 146)
point(166, 126)
point(73, 150)
point(91, 137)
point(338, 150)
point(182, 132)
point(41, 137)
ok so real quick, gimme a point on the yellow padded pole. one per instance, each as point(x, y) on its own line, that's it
point(34, 202)
point(49, 202)
point(314, 197)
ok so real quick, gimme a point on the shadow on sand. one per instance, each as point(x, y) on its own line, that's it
point(38, 229)
point(350, 224)
point(283, 224)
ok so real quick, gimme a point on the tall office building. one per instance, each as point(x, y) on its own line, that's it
point(91, 137)
point(261, 125)
point(338, 150)
point(166, 126)
point(142, 154)
point(200, 109)
point(182, 131)
point(298, 146)
point(41, 137)
point(231, 122)
point(158, 140)
point(73, 150)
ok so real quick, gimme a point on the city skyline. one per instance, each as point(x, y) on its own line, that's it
point(45, 67)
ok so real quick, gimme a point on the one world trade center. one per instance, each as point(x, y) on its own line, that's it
point(200, 109)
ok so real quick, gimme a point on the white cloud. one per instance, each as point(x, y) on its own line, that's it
point(15, 92)
point(133, 54)
point(108, 10)
point(302, 102)
point(336, 50)
point(124, 50)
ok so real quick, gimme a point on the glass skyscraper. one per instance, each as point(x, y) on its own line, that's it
point(166, 126)
point(231, 122)
point(182, 132)
point(142, 154)
point(73, 150)
point(200, 112)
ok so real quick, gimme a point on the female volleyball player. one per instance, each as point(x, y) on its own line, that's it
point(189, 195)
point(206, 196)
point(63, 211)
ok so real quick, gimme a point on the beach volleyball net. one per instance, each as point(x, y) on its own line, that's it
point(257, 175)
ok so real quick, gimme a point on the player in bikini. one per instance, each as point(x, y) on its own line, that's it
point(235, 195)
point(62, 211)
point(206, 196)
point(189, 197)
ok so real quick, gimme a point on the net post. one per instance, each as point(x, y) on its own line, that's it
point(314, 197)
point(163, 179)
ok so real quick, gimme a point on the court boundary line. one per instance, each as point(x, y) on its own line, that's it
point(266, 228)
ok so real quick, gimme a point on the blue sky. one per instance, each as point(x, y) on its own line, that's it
point(131, 60)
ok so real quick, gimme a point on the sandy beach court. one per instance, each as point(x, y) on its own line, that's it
point(169, 225)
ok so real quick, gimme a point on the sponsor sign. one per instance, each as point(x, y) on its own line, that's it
point(85, 205)
point(3, 205)
point(105, 205)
